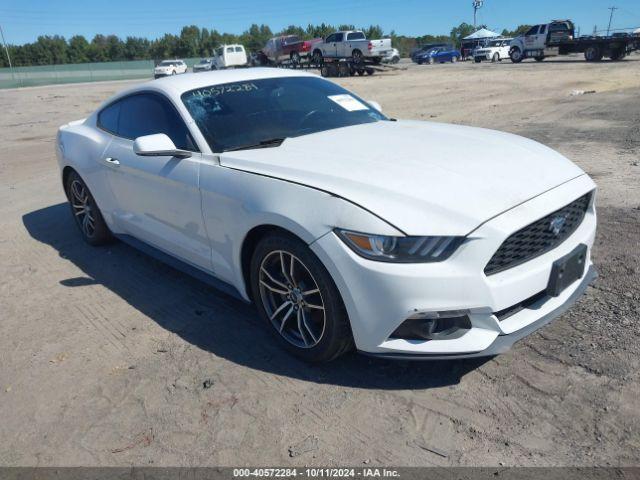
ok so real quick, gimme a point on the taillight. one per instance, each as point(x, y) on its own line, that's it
point(370, 46)
point(305, 46)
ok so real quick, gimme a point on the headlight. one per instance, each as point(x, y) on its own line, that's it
point(385, 248)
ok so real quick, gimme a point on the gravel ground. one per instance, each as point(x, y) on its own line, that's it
point(108, 357)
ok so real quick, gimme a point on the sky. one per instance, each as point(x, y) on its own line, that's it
point(24, 20)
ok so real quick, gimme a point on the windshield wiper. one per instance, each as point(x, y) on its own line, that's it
point(271, 142)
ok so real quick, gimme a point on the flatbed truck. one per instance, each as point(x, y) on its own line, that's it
point(558, 38)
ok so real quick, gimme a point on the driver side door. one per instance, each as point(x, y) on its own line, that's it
point(157, 197)
point(330, 46)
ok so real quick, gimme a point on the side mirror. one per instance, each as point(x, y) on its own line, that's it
point(158, 145)
point(375, 105)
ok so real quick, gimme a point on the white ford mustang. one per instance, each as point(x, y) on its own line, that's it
point(346, 228)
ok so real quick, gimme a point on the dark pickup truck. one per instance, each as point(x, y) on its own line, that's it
point(287, 48)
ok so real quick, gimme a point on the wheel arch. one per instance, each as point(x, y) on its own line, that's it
point(249, 244)
point(66, 171)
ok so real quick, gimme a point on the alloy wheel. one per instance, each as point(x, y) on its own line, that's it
point(82, 208)
point(292, 299)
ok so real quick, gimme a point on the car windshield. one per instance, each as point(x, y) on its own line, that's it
point(253, 112)
point(204, 60)
point(496, 43)
point(166, 63)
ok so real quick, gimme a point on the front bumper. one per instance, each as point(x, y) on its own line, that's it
point(504, 342)
point(379, 297)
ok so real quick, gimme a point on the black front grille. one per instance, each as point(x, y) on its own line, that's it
point(539, 237)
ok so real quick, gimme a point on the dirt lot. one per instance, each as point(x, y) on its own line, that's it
point(110, 358)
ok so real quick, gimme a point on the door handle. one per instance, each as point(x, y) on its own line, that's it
point(112, 161)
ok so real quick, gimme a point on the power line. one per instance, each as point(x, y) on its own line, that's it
point(613, 9)
point(7, 52)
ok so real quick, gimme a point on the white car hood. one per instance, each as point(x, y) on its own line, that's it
point(424, 178)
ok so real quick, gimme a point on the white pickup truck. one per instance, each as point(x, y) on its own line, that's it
point(496, 50)
point(354, 44)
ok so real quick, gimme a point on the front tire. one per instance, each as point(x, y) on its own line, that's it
point(495, 58)
point(295, 59)
point(86, 213)
point(516, 55)
point(593, 54)
point(298, 299)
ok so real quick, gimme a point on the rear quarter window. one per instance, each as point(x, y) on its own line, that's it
point(355, 36)
point(108, 118)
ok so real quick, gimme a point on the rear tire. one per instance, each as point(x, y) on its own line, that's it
point(357, 56)
point(86, 213)
point(477, 60)
point(317, 57)
point(297, 298)
point(539, 58)
point(617, 55)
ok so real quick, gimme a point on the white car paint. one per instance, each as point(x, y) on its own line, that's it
point(169, 67)
point(386, 178)
point(229, 56)
point(501, 47)
point(345, 43)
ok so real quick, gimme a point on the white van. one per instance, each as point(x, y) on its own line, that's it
point(228, 56)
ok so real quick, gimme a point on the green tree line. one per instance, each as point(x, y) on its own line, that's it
point(193, 41)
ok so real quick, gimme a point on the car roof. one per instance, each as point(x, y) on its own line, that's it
point(176, 85)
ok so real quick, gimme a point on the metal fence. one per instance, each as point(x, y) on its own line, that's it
point(79, 72)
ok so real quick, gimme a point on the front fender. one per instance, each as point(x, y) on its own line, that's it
point(234, 202)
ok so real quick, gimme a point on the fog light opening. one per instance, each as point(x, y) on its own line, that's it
point(433, 326)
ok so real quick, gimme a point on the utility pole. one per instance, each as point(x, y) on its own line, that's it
point(613, 9)
point(477, 5)
point(7, 52)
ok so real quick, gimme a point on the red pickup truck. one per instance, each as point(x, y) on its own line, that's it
point(287, 47)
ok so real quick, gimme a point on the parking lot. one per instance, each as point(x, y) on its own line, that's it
point(108, 357)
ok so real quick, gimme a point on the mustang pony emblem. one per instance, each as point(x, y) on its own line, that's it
point(556, 224)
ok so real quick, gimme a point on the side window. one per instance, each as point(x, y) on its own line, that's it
point(238, 49)
point(229, 49)
point(148, 114)
point(532, 31)
point(108, 118)
point(331, 38)
point(355, 36)
point(543, 29)
point(339, 37)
